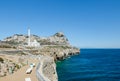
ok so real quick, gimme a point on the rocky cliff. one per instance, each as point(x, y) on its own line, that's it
point(48, 69)
point(53, 48)
point(20, 39)
point(59, 52)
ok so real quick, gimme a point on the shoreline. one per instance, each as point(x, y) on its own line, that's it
point(48, 63)
point(19, 50)
point(68, 54)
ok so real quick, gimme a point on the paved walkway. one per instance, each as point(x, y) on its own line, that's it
point(20, 75)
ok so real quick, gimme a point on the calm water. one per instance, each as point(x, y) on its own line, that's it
point(91, 65)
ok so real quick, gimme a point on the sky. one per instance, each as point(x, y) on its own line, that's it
point(86, 23)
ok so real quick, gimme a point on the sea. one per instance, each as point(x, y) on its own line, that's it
point(91, 65)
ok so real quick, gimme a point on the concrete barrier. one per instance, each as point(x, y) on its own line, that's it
point(40, 78)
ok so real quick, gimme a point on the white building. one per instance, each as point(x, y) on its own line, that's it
point(34, 44)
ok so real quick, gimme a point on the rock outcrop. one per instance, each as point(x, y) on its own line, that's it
point(7, 67)
point(59, 39)
point(58, 52)
point(48, 69)
point(53, 48)
point(19, 39)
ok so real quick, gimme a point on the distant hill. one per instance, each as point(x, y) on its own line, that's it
point(19, 39)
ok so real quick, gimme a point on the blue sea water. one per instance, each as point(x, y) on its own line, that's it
point(91, 65)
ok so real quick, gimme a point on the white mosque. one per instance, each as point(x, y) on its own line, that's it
point(30, 43)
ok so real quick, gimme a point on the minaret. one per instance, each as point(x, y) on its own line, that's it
point(28, 36)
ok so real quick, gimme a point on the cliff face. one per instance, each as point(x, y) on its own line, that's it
point(56, 46)
point(58, 52)
point(53, 48)
point(49, 69)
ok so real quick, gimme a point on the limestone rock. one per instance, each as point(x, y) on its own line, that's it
point(49, 69)
point(7, 67)
point(19, 39)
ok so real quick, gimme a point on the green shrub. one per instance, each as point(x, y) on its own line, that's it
point(1, 60)
point(17, 66)
point(5, 46)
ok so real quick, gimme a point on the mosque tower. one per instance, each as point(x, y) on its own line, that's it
point(28, 36)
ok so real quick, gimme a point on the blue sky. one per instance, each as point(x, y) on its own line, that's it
point(86, 23)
